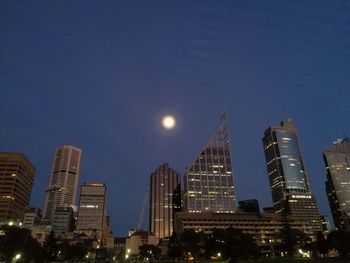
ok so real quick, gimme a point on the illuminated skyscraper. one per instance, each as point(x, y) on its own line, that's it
point(164, 184)
point(208, 182)
point(337, 161)
point(16, 181)
point(63, 185)
point(289, 183)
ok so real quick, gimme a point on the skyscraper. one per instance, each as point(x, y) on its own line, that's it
point(16, 181)
point(62, 189)
point(92, 207)
point(289, 183)
point(208, 182)
point(337, 161)
point(164, 183)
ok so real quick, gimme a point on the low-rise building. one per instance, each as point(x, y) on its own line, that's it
point(62, 220)
point(138, 239)
point(32, 217)
point(265, 229)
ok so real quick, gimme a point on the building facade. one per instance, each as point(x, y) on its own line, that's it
point(62, 221)
point(265, 229)
point(63, 184)
point(163, 185)
point(92, 209)
point(337, 162)
point(208, 182)
point(137, 239)
point(290, 188)
point(16, 182)
point(32, 217)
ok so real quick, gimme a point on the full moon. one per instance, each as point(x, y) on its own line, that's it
point(168, 122)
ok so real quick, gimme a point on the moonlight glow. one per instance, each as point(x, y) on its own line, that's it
point(168, 122)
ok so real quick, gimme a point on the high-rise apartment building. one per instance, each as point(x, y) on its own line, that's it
point(16, 181)
point(164, 184)
point(289, 183)
point(208, 182)
point(92, 207)
point(337, 161)
point(62, 189)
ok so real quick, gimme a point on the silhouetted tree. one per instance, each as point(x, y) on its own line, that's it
point(77, 251)
point(321, 244)
point(15, 240)
point(174, 247)
point(149, 251)
point(50, 246)
point(340, 241)
point(193, 242)
point(239, 245)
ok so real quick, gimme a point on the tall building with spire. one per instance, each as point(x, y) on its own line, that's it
point(164, 186)
point(208, 182)
point(337, 161)
point(63, 184)
point(288, 178)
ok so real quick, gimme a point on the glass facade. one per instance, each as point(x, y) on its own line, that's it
point(208, 182)
point(290, 188)
point(290, 157)
point(337, 161)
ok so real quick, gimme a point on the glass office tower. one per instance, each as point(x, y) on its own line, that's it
point(337, 161)
point(208, 182)
point(289, 183)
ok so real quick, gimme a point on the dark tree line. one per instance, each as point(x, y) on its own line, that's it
point(15, 240)
point(230, 243)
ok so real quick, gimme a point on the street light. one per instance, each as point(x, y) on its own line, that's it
point(17, 257)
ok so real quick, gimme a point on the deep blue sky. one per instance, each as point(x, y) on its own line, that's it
point(100, 74)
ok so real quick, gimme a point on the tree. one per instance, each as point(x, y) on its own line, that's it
point(149, 251)
point(292, 239)
point(175, 249)
point(214, 245)
point(239, 245)
point(50, 246)
point(321, 244)
point(339, 240)
point(77, 251)
point(15, 240)
point(193, 243)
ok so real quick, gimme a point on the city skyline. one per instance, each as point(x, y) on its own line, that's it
point(101, 76)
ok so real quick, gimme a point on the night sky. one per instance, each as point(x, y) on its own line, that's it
point(100, 75)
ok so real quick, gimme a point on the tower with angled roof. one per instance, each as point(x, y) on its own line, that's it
point(208, 182)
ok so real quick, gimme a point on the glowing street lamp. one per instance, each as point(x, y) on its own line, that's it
point(17, 257)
